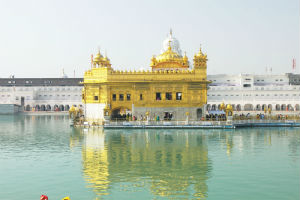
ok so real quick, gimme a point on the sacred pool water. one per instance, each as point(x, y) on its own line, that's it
point(43, 155)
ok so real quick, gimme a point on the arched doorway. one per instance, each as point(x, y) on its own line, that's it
point(67, 107)
point(199, 113)
point(297, 107)
point(121, 113)
point(257, 107)
point(43, 107)
point(270, 106)
point(219, 106)
point(283, 107)
point(37, 108)
point(248, 107)
point(48, 107)
point(208, 107)
point(238, 107)
point(264, 107)
point(233, 107)
point(277, 107)
point(28, 108)
point(213, 107)
point(290, 107)
point(61, 108)
point(56, 107)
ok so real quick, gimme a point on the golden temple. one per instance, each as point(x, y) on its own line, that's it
point(171, 90)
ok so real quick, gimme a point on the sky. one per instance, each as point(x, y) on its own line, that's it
point(40, 38)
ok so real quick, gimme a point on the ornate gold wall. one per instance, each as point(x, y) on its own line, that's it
point(170, 83)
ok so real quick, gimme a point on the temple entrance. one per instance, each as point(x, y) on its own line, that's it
point(168, 116)
point(121, 114)
point(199, 113)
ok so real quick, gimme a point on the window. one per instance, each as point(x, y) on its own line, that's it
point(178, 95)
point(128, 97)
point(141, 96)
point(121, 97)
point(114, 97)
point(95, 98)
point(168, 95)
point(247, 85)
point(158, 96)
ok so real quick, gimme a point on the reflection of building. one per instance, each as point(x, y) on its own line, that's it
point(95, 165)
point(170, 165)
point(255, 92)
point(170, 87)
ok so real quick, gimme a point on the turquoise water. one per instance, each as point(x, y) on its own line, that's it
point(43, 155)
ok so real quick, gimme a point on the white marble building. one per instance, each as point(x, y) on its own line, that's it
point(248, 92)
point(41, 94)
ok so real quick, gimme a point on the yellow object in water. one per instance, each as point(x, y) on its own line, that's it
point(66, 198)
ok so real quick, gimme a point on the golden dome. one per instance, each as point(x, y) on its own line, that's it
point(170, 59)
point(98, 57)
point(101, 61)
point(229, 106)
point(169, 55)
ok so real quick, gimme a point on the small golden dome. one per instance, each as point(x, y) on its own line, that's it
point(98, 57)
point(229, 106)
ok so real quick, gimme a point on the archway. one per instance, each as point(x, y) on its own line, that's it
point(290, 107)
point(61, 108)
point(297, 107)
point(56, 107)
point(283, 107)
point(43, 107)
point(121, 113)
point(213, 107)
point(208, 107)
point(270, 106)
point(219, 106)
point(48, 107)
point(37, 108)
point(199, 113)
point(248, 107)
point(264, 107)
point(257, 107)
point(67, 107)
point(233, 107)
point(28, 108)
point(238, 107)
point(277, 107)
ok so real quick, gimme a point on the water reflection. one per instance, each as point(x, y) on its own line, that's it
point(167, 165)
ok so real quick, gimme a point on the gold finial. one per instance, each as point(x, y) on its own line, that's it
point(169, 47)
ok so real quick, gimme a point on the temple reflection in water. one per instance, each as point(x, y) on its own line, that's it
point(172, 165)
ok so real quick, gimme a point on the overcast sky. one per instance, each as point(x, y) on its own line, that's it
point(39, 38)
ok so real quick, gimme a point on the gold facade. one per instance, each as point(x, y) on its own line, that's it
point(169, 84)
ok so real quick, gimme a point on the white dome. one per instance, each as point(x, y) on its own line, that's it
point(174, 44)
